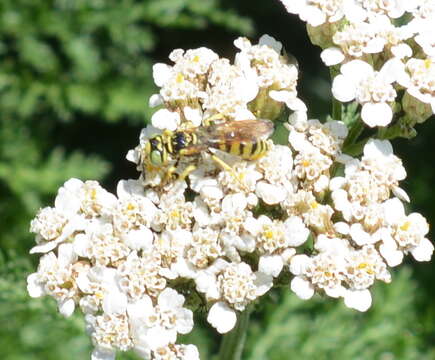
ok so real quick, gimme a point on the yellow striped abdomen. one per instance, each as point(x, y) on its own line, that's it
point(247, 151)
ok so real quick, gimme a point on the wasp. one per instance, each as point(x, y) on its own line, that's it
point(243, 138)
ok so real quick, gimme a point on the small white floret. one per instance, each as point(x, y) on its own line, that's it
point(332, 56)
point(302, 288)
point(360, 300)
point(222, 317)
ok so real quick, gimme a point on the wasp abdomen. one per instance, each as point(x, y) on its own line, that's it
point(247, 151)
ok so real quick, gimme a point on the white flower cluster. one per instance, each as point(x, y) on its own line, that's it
point(101, 253)
point(224, 235)
point(383, 46)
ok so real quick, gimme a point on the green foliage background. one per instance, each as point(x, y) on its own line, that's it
point(75, 77)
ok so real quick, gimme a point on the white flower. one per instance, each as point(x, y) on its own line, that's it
point(52, 227)
point(425, 39)
point(175, 212)
point(232, 231)
point(243, 177)
point(171, 245)
point(204, 248)
point(389, 251)
point(264, 65)
point(360, 300)
point(332, 56)
point(55, 277)
point(99, 288)
point(311, 165)
point(373, 90)
point(270, 265)
point(165, 119)
point(140, 275)
point(419, 80)
point(277, 166)
point(408, 231)
point(157, 326)
point(357, 39)
point(100, 244)
point(232, 283)
point(270, 194)
point(359, 10)
point(176, 352)
point(315, 12)
point(275, 236)
point(88, 198)
point(222, 317)
point(108, 333)
point(302, 288)
point(363, 267)
point(229, 90)
point(133, 215)
point(380, 160)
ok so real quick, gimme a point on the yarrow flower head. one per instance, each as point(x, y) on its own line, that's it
point(220, 213)
point(378, 55)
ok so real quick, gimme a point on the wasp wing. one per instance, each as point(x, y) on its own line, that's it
point(241, 131)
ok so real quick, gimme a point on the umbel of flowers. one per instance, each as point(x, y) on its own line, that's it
point(132, 262)
point(385, 53)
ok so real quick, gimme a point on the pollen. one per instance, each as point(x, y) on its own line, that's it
point(268, 234)
point(366, 267)
point(174, 214)
point(195, 59)
point(428, 63)
point(314, 205)
point(180, 78)
point(405, 226)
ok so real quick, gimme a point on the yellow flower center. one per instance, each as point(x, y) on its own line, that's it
point(405, 226)
point(268, 234)
point(365, 266)
point(174, 214)
point(314, 205)
point(180, 78)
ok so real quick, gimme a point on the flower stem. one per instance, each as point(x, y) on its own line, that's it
point(404, 128)
point(354, 132)
point(336, 109)
point(232, 343)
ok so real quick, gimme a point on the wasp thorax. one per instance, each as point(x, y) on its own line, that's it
point(180, 141)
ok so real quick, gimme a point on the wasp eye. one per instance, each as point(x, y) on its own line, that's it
point(156, 157)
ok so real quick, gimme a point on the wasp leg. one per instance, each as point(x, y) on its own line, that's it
point(209, 120)
point(186, 172)
point(170, 174)
point(228, 168)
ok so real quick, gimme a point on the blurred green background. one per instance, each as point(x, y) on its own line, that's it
point(75, 77)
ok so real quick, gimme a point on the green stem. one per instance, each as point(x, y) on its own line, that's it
point(336, 109)
point(232, 343)
point(404, 128)
point(354, 132)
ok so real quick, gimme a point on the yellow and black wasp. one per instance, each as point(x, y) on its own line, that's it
point(243, 138)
